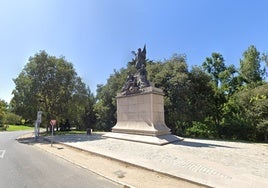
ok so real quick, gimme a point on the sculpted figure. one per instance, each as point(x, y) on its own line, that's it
point(140, 57)
point(135, 83)
point(142, 75)
point(130, 82)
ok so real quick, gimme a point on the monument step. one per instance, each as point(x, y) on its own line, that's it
point(157, 140)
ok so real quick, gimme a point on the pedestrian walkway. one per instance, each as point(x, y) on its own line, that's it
point(212, 163)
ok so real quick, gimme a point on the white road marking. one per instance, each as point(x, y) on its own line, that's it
point(2, 153)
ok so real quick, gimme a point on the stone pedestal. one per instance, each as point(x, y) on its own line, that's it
point(140, 117)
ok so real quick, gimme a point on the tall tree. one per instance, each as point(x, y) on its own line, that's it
point(173, 78)
point(105, 106)
point(222, 77)
point(250, 67)
point(89, 117)
point(49, 84)
point(200, 95)
point(214, 65)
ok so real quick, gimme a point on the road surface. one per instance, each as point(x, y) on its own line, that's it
point(25, 166)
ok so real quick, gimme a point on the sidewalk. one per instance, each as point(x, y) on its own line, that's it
point(212, 163)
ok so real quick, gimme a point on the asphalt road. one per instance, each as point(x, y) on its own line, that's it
point(24, 166)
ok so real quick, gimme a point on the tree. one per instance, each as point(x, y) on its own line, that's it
point(216, 68)
point(78, 104)
point(105, 106)
point(3, 110)
point(208, 102)
point(89, 117)
point(49, 84)
point(247, 114)
point(224, 83)
point(235, 123)
point(259, 110)
point(250, 67)
point(172, 77)
point(214, 65)
point(263, 127)
point(200, 95)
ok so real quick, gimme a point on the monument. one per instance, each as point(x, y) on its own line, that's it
point(140, 109)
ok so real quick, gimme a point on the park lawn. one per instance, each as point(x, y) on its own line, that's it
point(19, 128)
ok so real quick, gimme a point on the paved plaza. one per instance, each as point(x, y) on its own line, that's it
point(212, 163)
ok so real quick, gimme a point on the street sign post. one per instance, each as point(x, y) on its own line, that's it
point(39, 116)
point(36, 130)
point(53, 124)
point(37, 124)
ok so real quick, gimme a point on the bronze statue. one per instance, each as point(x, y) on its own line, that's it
point(136, 82)
point(140, 57)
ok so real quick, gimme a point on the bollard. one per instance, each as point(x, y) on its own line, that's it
point(89, 131)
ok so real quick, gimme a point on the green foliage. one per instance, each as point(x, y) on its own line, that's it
point(71, 132)
point(194, 106)
point(105, 107)
point(89, 117)
point(3, 127)
point(3, 110)
point(235, 127)
point(172, 77)
point(214, 65)
point(12, 119)
point(247, 109)
point(250, 67)
point(200, 130)
point(209, 102)
point(200, 95)
point(212, 101)
point(51, 85)
point(18, 128)
point(224, 84)
point(262, 126)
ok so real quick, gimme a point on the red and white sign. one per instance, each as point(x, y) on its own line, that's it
point(53, 122)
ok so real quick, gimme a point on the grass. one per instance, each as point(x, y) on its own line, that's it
point(64, 132)
point(19, 128)
point(23, 128)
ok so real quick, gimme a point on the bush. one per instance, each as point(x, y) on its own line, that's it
point(2, 116)
point(3, 127)
point(12, 119)
point(236, 129)
point(200, 130)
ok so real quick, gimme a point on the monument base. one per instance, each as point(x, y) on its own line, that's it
point(140, 118)
point(156, 140)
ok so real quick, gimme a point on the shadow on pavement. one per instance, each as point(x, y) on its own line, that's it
point(199, 145)
point(61, 138)
point(94, 137)
point(76, 138)
point(30, 140)
point(33, 141)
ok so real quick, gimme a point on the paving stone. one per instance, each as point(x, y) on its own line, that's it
point(214, 163)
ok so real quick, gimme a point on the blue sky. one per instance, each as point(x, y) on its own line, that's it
point(97, 36)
